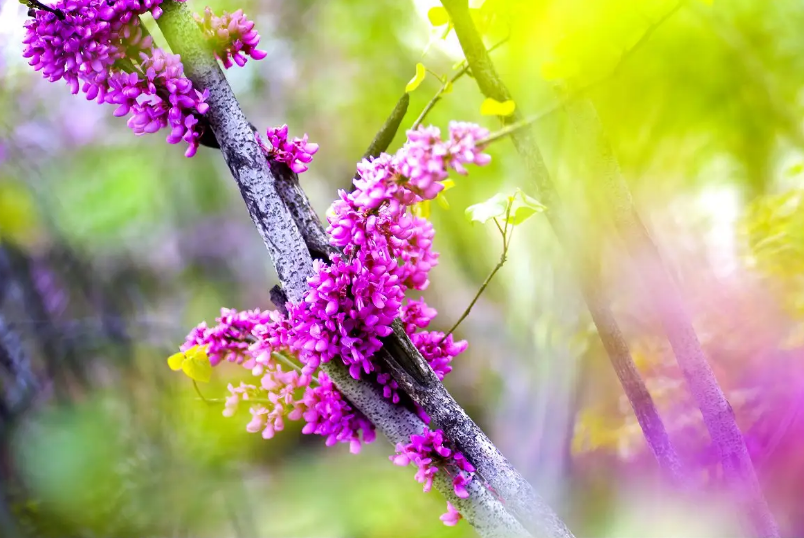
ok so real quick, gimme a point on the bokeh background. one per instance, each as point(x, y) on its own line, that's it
point(114, 247)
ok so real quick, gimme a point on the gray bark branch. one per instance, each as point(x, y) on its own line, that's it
point(287, 246)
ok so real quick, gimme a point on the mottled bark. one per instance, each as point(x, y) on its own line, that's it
point(583, 265)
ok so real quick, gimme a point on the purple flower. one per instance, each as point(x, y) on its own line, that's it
point(296, 153)
point(100, 48)
point(427, 452)
point(232, 37)
point(451, 517)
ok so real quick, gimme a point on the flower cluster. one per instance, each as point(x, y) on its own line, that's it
point(100, 48)
point(351, 304)
point(231, 36)
point(425, 452)
point(296, 153)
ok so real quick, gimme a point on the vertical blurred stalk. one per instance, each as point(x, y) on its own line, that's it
point(584, 265)
point(665, 298)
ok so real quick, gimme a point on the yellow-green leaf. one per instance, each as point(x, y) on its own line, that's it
point(175, 361)
point(483, 212)
point(422, 209)
point(438, 16)
point(194, 363)
point(447, 88)
point(197, 367)
point(523, 207)
point(421, 72)
point(492, 107)
point(441, 199)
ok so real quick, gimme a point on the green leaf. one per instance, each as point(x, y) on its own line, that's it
point(524, 207)
point(438, 16)
point(421, 72)
point(483, 212)
point(492, 107)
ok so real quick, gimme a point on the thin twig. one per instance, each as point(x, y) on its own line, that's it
point(35, 4)
point(503, 258)
point(437, 97)
point(198, 391)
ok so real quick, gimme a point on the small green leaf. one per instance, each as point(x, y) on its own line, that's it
point(483, 212)
point(523, 207)
point(492, 107)
point(441, 199)
point(447, 88)
point(421, 72)
point(438, 16)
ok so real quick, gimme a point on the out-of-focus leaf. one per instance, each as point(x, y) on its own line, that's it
point(18, 217)
point(485, 211)
point(438, 16)
point(523, 207)
point(492, 107)
point(421, 72)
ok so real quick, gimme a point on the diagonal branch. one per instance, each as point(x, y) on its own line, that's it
point(583, 264)
point(293, 261)
point(415, 377)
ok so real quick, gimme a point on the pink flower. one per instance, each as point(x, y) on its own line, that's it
point(232, 37)
point(452, 517)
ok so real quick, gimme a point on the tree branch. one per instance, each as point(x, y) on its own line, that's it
point(666, 300)
point(287, 247)
point(583, 265)
point(413, 374)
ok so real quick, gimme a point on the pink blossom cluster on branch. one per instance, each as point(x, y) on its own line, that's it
point(102, 49)
point(232, 37)
point(352, 302)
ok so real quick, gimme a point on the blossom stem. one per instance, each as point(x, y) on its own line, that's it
point(39, 5)
point(506, 238)
point(198, 391)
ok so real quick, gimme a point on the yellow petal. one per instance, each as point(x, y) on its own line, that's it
point(442, 201)
point(175, 361)
point(492, 107)
point(448, 184)
point(417, 79)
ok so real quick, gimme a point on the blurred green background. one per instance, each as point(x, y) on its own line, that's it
point(128, 245)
